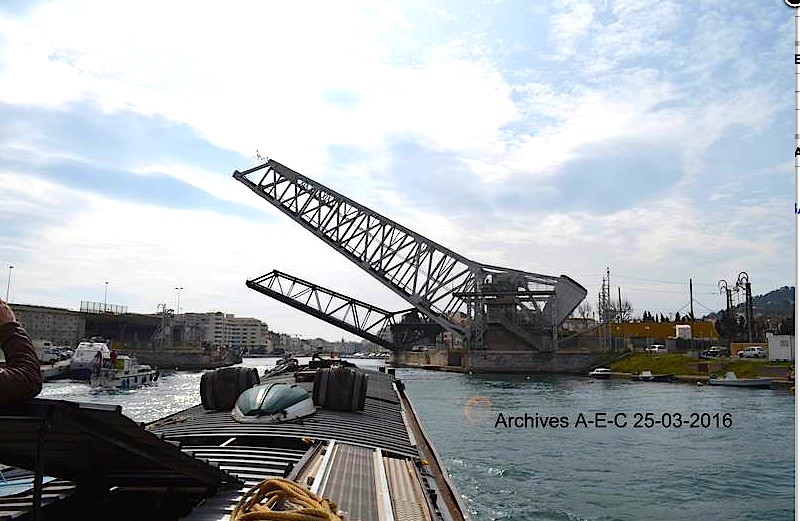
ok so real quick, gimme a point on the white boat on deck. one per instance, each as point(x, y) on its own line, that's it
point(124, 373)
point(731, 380)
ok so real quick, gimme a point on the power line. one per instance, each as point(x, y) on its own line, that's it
point(708, 308)
point(663, 281)
point(650, 290)
point(683, 283)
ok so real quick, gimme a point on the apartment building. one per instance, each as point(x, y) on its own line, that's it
point(224, 329)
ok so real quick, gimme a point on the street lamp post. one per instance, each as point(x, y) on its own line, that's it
point(8, 284)
point(178, 304)
point(105, 298)
point(163, 310)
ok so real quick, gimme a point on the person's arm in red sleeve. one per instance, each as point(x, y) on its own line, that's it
point(21, 378)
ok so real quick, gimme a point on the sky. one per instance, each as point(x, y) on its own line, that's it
point(557, 136)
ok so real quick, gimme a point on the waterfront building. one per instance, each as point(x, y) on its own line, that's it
point(59, 325)
point(700, 334)
point(224, 329)
point(578, 324)
point(294, 344)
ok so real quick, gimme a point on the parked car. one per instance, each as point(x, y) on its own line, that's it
point(656, 348)
point(715, 352)
point(49, 355)
point(753, 352)
point(64, 352)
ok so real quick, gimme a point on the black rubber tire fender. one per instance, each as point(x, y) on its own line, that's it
point(206, 390)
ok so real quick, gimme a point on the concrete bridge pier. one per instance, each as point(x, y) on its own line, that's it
point(496, 361)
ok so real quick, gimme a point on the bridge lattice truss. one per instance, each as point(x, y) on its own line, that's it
point(440, 283)
point(355, 316)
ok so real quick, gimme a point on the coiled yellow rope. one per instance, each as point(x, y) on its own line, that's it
point(257, 504)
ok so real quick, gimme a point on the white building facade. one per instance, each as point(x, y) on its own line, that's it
point(225, 329)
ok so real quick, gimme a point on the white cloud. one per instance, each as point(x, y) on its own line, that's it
point(210, 182)
point(144, 251)
point(570, 24)
point(256, 75)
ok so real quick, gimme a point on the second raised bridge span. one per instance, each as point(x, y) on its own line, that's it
point(487, 307)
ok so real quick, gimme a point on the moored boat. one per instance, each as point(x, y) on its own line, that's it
point(648, 376)
point(83, 359)
point(122, 372)
point(731, 380)
point(603, 373)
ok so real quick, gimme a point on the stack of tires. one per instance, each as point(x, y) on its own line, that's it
point(220, 388)
point(340, 388)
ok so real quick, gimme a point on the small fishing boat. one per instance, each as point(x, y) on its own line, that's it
point(731, 380)
point(647, 376)
point(124, 372)
point(603, 373)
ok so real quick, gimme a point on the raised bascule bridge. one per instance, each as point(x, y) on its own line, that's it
point(501, 319)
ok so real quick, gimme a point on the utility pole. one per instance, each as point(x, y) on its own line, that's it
point(8, 284)
point(163, 308)
point(691, 301)
point(744, 282)
point(621, 325)
point(601, 310)
point(604, 309)
point(723, 286)
point(609, 306)
point(178, 303)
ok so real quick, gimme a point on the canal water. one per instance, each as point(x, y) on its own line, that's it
point(571, 448)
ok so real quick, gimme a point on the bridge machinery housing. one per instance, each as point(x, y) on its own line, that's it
point(487, 307)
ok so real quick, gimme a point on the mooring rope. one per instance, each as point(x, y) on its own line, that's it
point(297, 504)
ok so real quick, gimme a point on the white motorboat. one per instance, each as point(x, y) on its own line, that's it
point(84, 359)
point(648, 376)
point(603, 373)
point(731, 380)
point(124, 372)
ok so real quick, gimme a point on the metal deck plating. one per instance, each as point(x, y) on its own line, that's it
point(376, 464)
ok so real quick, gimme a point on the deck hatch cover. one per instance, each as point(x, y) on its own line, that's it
point(123, 452)
point(351, 482)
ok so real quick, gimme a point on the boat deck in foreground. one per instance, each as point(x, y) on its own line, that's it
point(376, 464)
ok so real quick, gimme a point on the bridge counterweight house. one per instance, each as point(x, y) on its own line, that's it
point(506, 310)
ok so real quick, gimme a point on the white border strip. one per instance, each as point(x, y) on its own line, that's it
point(385, 512)
point(324, 469)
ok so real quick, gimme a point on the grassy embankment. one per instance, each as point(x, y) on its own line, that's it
point(686, 365)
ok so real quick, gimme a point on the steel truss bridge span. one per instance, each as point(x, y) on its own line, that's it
point(395, 330)
point(462, 296)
